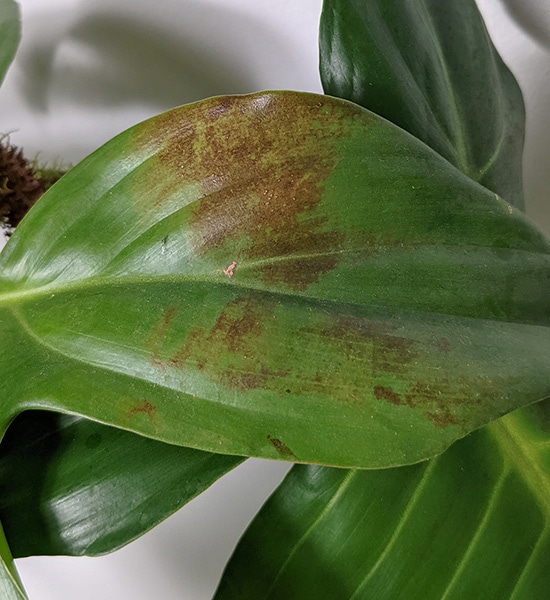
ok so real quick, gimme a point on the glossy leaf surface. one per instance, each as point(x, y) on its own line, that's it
point(10, 585)
point(9, 34)
point(430, 67)
point(281, 275)
point(71, 486)
point(472, 523)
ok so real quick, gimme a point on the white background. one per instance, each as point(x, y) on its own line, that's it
point(86, 71)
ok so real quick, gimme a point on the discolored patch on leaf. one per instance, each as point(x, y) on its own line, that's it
point(281, 448)
point(382, 392)
point(228, 353)
point(439, 405)
point(261, 162)
point(443, 345)
point(238, 324)
point(145, 412)
point(356, 351)
point(368, 353)
point(244, 380)
point(143, 407)
point(440, 402)
point(391, 353)
point(157, 335)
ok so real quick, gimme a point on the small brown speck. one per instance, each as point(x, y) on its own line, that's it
point(443, 345)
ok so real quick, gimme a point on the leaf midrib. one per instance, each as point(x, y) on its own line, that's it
point(11, 298)
point(462, 152)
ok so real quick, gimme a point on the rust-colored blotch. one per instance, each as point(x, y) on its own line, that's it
point(262, 162)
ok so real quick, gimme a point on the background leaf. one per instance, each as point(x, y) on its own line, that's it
point(431, 68)
point(71, 486)
point(10, 585)
point(270, 275)
point(472, 523)
point(10, 31)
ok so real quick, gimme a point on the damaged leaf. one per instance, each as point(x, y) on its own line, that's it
point(370, 284)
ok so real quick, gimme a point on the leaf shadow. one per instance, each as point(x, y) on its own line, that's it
point(29, 443)
point(109, 58)
point(537, 148)
point(529, 20)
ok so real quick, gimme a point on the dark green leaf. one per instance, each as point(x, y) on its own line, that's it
point(472, 523)
point(72, 486)
point(10, 585)
point(9, 34)
point(282, 275)
point(430, 67)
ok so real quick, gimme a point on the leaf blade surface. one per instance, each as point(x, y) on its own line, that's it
point(431, 68)
point(10, 585)
point(10, 31)
point(74, 487)
point(475, 520)
point(271, 274)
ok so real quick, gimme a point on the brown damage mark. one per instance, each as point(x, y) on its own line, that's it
point(440, 402)
point(372, 350)
point(382, 392)
point(238, 325)
point(281, 448)
point(245, 380)
point(227, 352)
point(356, 350)
point(146, 414)
point(437, 406)
point(262, 163)
point(230, 271)
point(390, 352)
point(194, 339)
point(421, 397)
point(443, 345)
point(144, 407)
point(158, 333)
point(219, 109)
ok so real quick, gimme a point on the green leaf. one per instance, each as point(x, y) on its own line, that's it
point(10, 584)
point(10, 32)
point(472, 523)
point(282, 275)
point(71, 486)
point(430, 67)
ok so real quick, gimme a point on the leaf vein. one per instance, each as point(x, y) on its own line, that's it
point(327, 508)
point(407, 512)
point(482, 526)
